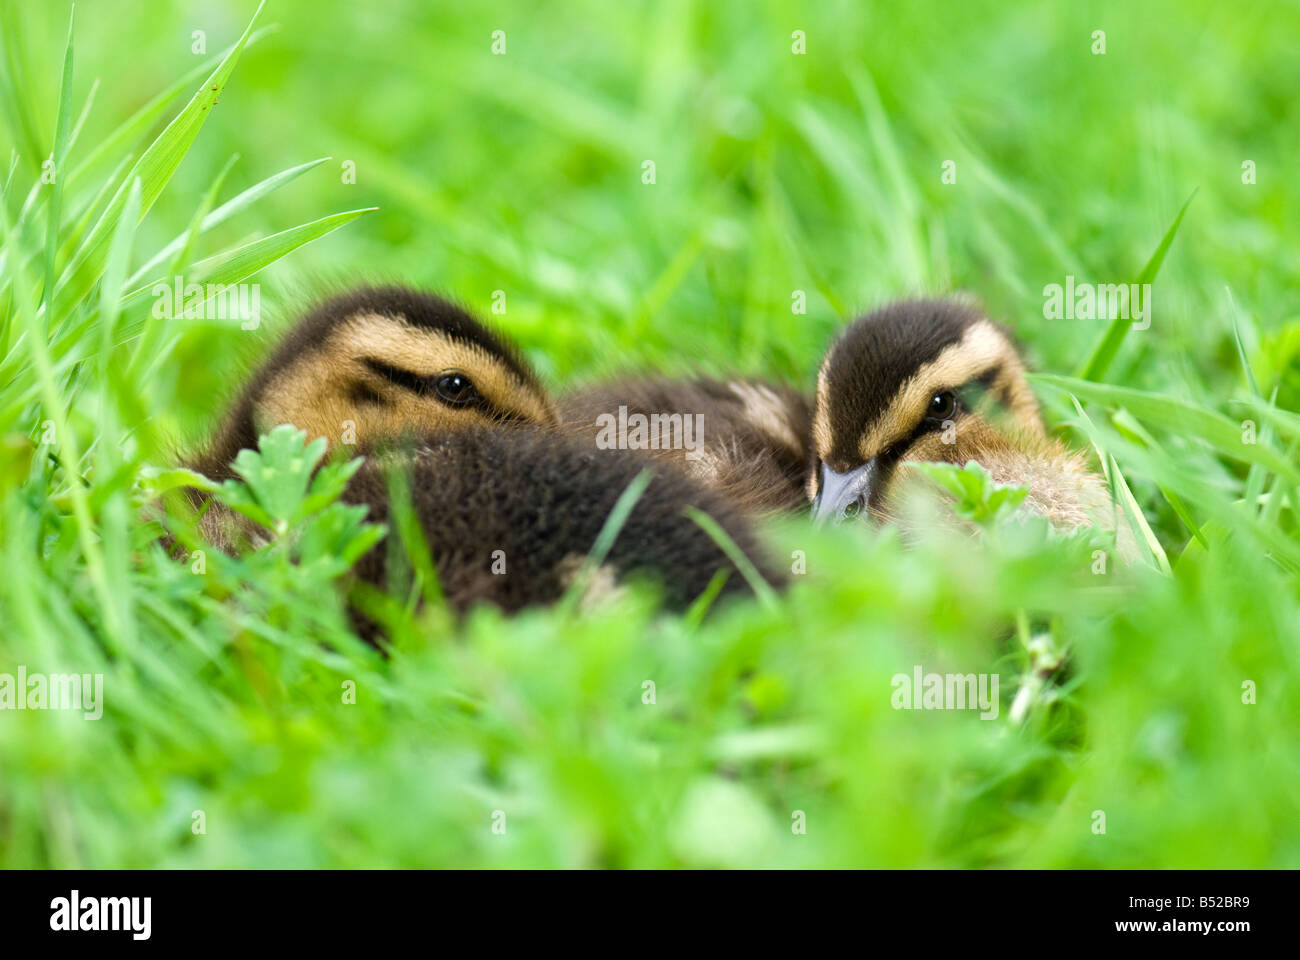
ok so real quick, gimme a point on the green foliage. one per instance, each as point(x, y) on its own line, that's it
point(279, 489)
point(283, 491)
point(1108, 346)
point(1163, 693)
point(978, 497)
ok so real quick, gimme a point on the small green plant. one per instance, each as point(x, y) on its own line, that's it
point(978, 497)
point(282, 490)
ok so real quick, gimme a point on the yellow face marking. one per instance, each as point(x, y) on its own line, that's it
point(821, 427)
point(324, 392)
point(981, 348)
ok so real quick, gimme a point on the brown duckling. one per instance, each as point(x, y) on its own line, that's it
point(509, 506)
point(510, 514)
point(375, 363)
point(936, 380)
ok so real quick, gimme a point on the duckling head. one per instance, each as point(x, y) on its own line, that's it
point(376, 364)
point(921, 380)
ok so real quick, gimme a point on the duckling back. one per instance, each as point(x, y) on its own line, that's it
point(751, 441)
point(510, 514)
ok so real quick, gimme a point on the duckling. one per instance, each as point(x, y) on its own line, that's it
point(510, 514)
point(750, 436)
point(509, 505)
point(378, 362)
point(936, 380)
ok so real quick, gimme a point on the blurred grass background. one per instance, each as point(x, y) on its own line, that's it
point(774, 172)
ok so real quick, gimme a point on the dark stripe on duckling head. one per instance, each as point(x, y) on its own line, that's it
point(427, 386)
point(311, 334)
point(417, 383)
point(429, 313)
point(871, 360)
point(363, 394)
point(985, 390)
point(414, 307)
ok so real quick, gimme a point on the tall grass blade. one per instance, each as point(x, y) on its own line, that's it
point(1107, 347)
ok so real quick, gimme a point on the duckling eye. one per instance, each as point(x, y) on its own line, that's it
point(942, 406)
point(455, 389)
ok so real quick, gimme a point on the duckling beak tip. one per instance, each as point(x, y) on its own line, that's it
point(839, 493)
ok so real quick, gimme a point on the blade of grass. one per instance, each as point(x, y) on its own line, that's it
point(908, 248)
point(110, 289)
point(70, 455)
point(59, 152)
point(1193, 486)
point(1094, 437)
point(225, 212)
point(233, 266)
point(83, 116)
point(218, 272)
point(93, 207)
point(410, 533)
point(1137, 520)
point(1177, 416)
point(1107, 346)
point(13, 88)
point(609, 532)
point(135, 125)
point(9, 176)
point(693, 617)
point(1128, 427)
point(1280, 492)
point(1284, 421)
point(115, 517)
point(182, 256)
point(154, 169)
point(1257, 476)
point(762, 589)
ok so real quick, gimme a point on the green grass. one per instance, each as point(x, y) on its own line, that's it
point(226, 691)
